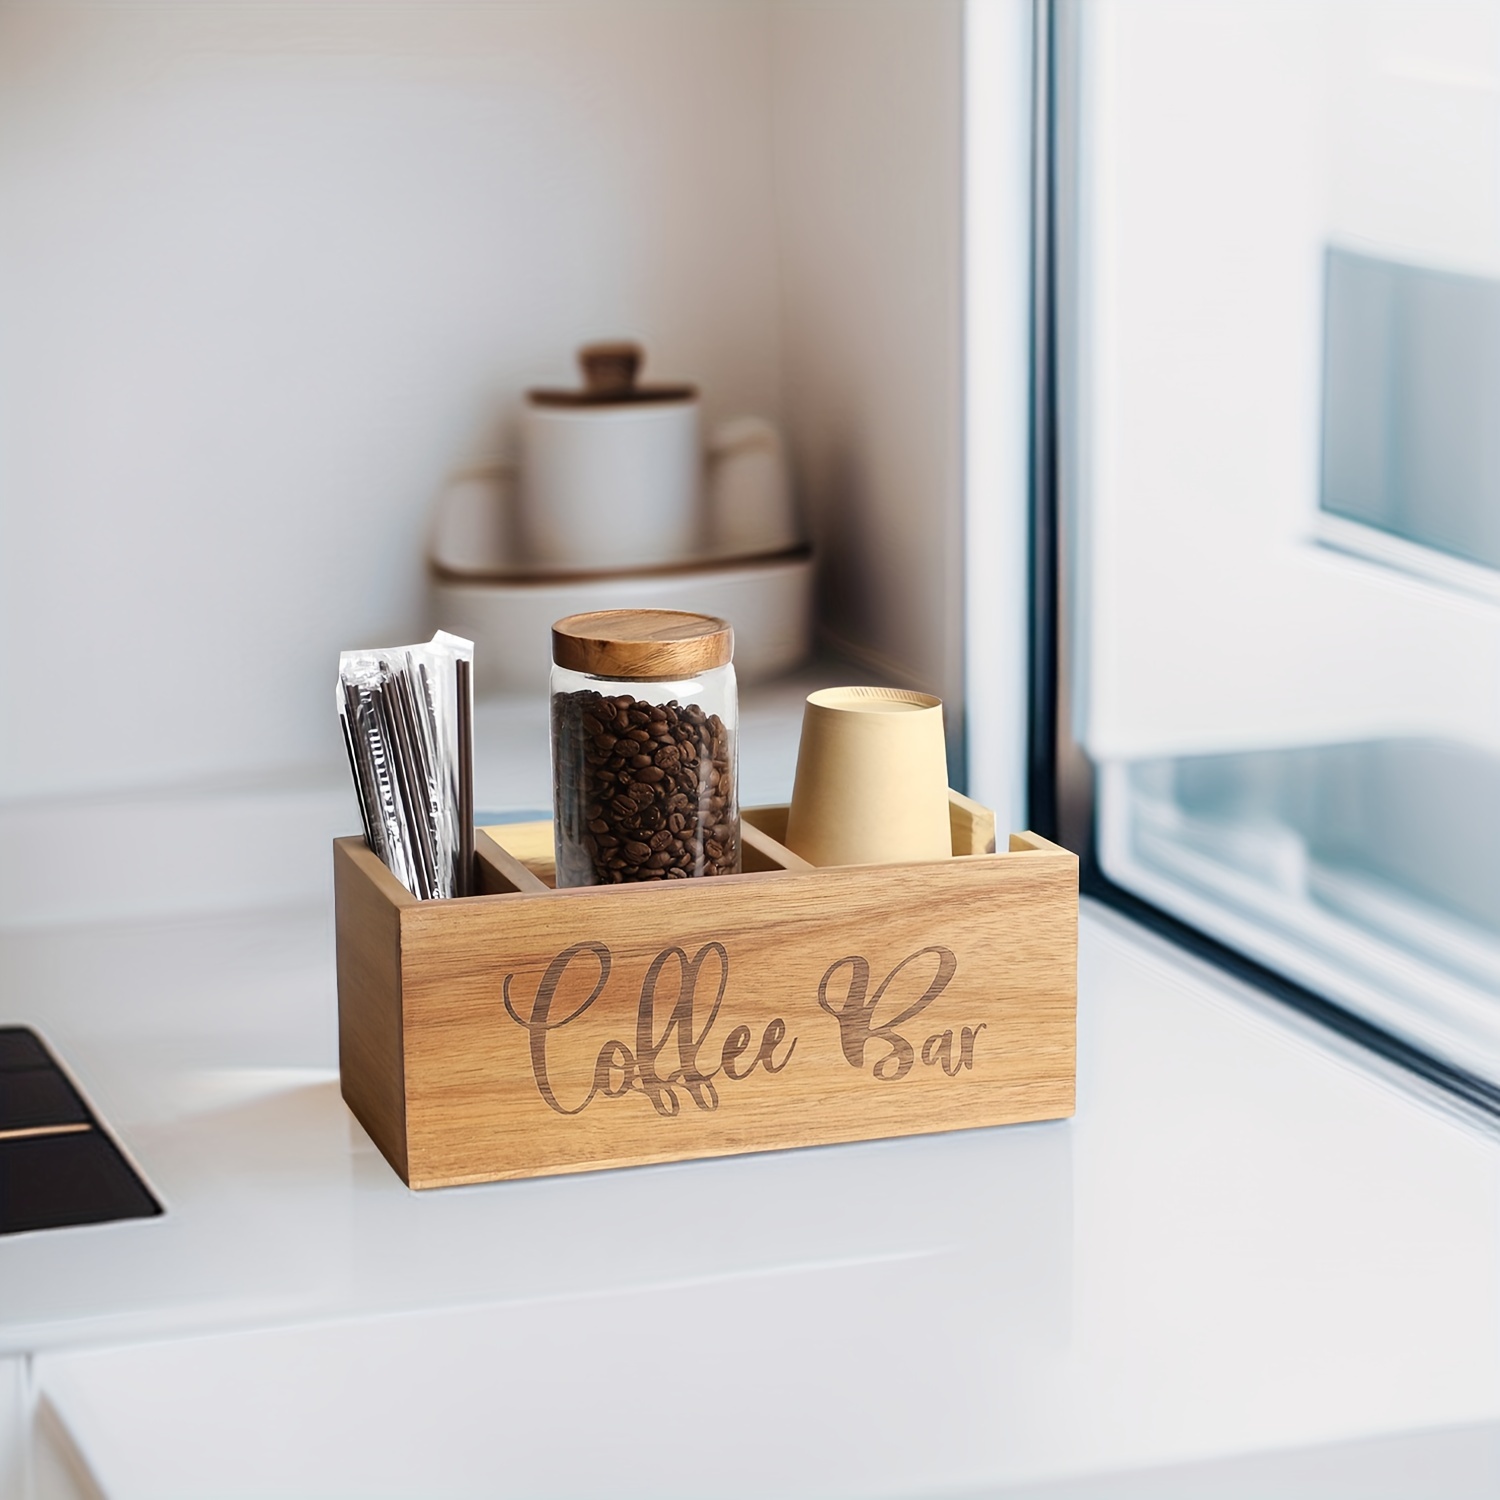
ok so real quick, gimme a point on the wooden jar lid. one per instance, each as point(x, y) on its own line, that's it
point(609, 379)
point(642, 645)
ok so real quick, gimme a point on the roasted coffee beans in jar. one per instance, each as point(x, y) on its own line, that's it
point(645, 756)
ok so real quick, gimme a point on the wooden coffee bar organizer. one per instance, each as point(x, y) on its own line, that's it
point(528, 1031)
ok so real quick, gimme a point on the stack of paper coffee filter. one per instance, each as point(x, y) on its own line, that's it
point(615, 501)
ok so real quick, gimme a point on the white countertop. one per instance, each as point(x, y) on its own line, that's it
point(1247, 1240)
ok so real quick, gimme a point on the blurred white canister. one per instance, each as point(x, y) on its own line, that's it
point(611, 475)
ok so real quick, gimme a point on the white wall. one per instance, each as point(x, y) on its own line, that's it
point(903, 194)
point(267, 272)
point(869, 175)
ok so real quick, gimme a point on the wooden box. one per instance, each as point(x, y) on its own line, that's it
point(530, 1031)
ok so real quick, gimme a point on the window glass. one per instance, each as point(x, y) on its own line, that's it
point(1281, 455)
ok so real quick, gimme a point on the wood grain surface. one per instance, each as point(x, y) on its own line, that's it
point(368, 901)
point(531, 844)
point(642, 644)
point(972, 825)
point(500, 871)
point(568, 1030)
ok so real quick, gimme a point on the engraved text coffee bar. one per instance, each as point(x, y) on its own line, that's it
point(530, 1031)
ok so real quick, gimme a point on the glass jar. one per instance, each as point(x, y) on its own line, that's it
point(645, 747)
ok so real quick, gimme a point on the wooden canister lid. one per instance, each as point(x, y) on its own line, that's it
point(642, 644)
point(610, 379)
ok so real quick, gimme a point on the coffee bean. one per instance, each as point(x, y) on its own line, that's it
point(644, 790)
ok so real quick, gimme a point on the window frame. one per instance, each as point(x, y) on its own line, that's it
point(1060, 779)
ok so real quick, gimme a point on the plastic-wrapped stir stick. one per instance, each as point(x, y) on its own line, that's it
point(407, 716)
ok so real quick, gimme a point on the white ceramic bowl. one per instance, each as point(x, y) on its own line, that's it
point(769, 601)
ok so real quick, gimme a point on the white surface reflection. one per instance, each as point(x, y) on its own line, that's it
point(1243, 1242)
